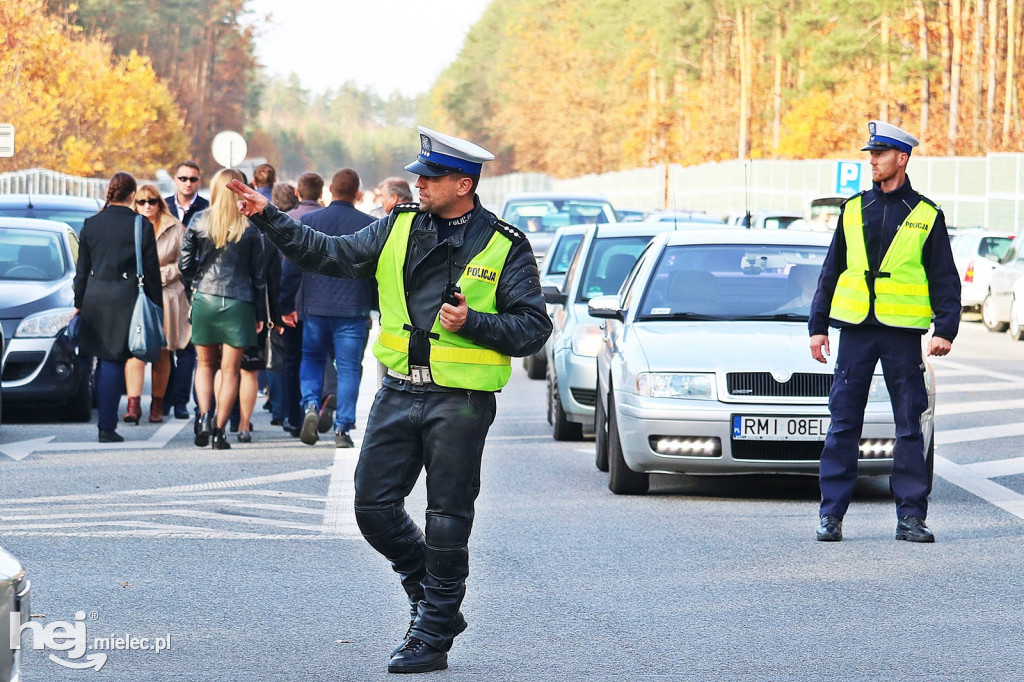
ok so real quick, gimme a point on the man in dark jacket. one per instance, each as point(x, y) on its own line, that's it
point(459, 294)
point(888, 270)
point(184, 205)
point(334, 315)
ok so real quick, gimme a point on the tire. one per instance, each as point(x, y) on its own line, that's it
point(988, 316)
point(621, 479)
point(562, 428)
point(600, 435)
point(79, 408)
point(536, 365)
point(1015, 329)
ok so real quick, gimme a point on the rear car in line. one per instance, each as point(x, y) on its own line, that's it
point(602, 262)
point(65, 209)
point(41, 366)
point(539, 214)
point(704, 365)
point(977, 253)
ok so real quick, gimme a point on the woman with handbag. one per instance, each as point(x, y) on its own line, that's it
point(106, 288)
point(222, 263)
point(169, 232)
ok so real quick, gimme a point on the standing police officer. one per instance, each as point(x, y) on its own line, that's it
point(888, 271)
point(459, 294)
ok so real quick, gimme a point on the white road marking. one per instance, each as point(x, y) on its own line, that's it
point(976, 484)
point(944, 409)
point(978, 433)
point(162, 437)
point(339, 509)
point(979, 387)
point(999, 467)
point(22, 449)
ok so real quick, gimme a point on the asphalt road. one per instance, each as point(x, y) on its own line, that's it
point(250, 562)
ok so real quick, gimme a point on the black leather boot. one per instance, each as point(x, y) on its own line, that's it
point(204, 425)
point(913, 529)
point(416, 656)
point(220, 440)
point(460, 626)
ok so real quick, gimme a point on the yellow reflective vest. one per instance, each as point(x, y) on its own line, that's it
point(455, 361)
point(900, 287)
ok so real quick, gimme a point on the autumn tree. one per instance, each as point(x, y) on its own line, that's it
point(76, 107)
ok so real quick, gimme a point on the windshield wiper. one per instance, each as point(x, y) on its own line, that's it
point(784, 317)
point(680, 316)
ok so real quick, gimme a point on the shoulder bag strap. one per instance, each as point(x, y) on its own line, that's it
point(138, 249)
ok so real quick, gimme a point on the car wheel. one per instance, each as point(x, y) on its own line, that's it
point(563, 429)
point(988, 315)
point(621, 480)
point(79, 408)
point(1016, 331)
point(536, 365)
point(551, 398)
point(600, 435)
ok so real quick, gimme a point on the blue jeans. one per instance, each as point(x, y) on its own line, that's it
point(348, 337)
point(109, 378)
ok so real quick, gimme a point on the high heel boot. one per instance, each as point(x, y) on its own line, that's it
point(220, 440)
point(204, 425)
point(156, 410)
point(134, 410)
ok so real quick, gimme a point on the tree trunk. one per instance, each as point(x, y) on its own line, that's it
point(777, 85)
point(956, 28)
point(945, 56)
point(922, 49)
point(977, 65)
point(1011, 71)
point(742, 30)
point(993, 48)
point(883, 80)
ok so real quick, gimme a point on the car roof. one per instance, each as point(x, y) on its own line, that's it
point(526, 196)
point(574, 229)
point(49, 201)
point(982, 232)
point(741, 235)
point(641, 229)
point(35, 224)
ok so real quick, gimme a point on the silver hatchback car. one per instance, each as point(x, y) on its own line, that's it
point(705, 368)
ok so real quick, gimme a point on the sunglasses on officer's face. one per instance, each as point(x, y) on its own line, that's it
point(151, 202)
point(187, 179)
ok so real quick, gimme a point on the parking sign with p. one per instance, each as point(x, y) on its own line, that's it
point(848, 177)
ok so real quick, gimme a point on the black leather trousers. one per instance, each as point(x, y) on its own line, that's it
point(443, 433)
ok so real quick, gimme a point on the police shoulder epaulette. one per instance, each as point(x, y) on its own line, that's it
point(405, 208)
point(930, 202)
point(501, 227)
point(849, 199)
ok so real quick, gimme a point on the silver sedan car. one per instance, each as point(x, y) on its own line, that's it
point(705, 366)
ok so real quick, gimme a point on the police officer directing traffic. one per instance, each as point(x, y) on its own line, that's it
point(888, 272)
point(459, 294)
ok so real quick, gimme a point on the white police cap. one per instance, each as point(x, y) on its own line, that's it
point(442, 154)
point(887, 136)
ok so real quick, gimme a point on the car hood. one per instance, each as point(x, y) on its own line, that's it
point(778, 347)
point(19, 299)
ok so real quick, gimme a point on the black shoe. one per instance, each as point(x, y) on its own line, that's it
point(343, 440)
point(310, 426)
point(416, 656)
point(244, 437)
point(220, 441)
point(276, 422)
point(180, 412)
point(110, 436)
point(204, 426)
point(912, 529)
point(327, 413)
point(460, 627)
point(830, 529)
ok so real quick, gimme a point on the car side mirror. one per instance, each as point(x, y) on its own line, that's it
point(606, 308)
point(554, 295)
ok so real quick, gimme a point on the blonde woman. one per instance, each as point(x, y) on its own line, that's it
point(222, 263)
point(169, 232)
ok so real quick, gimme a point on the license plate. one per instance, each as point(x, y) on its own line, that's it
point(779, 428)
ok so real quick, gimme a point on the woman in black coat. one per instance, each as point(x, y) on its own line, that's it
point(106, 287)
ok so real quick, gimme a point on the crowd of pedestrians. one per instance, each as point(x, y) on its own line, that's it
point(240, 321)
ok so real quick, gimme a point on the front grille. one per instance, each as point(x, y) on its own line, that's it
point(775, 451)
point(764, 385)
point(584, 396)
point(20, 364)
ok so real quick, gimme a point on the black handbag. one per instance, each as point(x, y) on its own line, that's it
point(146, 334)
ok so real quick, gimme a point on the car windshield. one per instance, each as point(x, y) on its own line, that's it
point(994, 247)
point(28, 255)
point(560, 260)
point(547, 215)
point(610, 261)
point(733, 282)
point(73, 217)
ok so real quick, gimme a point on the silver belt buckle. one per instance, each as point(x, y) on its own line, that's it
point(419, 375)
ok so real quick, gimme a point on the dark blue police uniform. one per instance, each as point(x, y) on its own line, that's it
point(862, 345)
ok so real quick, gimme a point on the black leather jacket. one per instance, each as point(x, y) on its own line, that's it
point(235, 271)
point(519, 328)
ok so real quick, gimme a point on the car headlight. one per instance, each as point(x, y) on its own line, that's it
point(586, 340)
point(676, 385)
point(46, 324)
point(878, 393)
